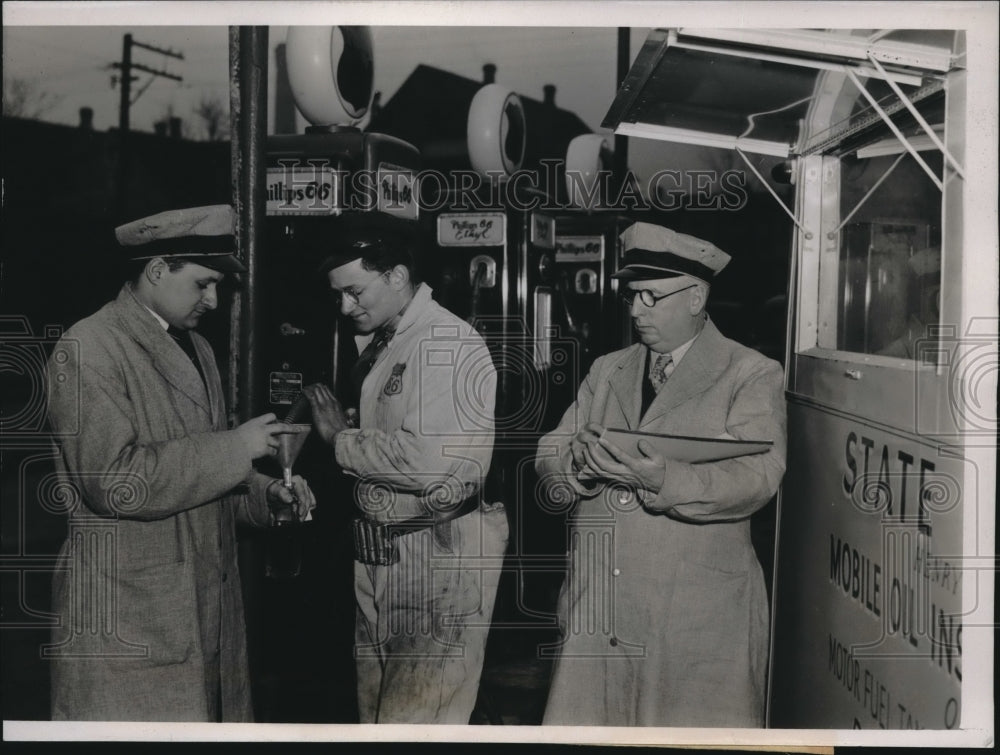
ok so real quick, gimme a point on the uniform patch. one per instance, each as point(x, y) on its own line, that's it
point(394, 385)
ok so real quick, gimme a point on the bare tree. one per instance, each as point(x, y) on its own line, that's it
point(23, 98)
point(214, 115)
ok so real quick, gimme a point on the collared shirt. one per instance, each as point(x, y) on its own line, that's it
point(677, 354)
point(163, 323)
point(181, 338)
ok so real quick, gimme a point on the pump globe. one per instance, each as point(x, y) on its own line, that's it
point(586, 157)
point(496, 130)
point(331, 72)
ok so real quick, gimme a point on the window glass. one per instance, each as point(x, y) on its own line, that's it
point(889, 276)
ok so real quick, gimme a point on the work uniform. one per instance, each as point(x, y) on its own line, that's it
point(147, 593)
point(425, 443)
point(664, 616)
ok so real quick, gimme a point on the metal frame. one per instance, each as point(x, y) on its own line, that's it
point(807, 254)
point(702, 139)
point(832, 44)
point(649, 57)
point(897, 392)
point(862, 70)
point(852, 56)
point(822, 141)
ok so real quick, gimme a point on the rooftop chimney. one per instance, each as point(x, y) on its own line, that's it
point(175, 127)
point(489, 73)
point(550, 94)
point(86, 119)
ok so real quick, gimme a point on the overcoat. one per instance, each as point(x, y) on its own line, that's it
point(147, 595)
point(664, 616)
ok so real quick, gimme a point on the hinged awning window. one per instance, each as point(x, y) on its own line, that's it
point(752, 89)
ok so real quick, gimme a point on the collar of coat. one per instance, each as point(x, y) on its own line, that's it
point(702, 364)
point(167, 356)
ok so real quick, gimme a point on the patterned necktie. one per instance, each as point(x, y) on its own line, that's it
point(662, 367)
point(368, 357)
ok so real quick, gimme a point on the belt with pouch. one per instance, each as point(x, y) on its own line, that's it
point(375, 542)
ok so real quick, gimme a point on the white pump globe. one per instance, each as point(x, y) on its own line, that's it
point(331, 72)
point(496, 131)
point(585, 158)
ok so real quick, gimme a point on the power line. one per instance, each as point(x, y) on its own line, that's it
point(126, 66)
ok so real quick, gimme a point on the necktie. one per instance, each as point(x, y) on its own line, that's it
point(662, 367)
point(368, 357)
point(183, 339)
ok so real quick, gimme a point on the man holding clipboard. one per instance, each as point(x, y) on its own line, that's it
point(664, 610)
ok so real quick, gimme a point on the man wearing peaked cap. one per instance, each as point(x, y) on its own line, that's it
point(652, 251)
point(689, 640)
point(426, 390)
point(136, 403)
point(196, 234)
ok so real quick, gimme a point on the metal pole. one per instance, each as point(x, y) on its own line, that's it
point(248, 126)
point(621, 142)
point(123, 126)
point(235, 164)
point(248, 114)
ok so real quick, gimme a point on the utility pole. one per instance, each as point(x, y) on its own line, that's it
point(126, 66)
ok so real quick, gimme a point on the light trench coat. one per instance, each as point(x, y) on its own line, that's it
point(148, 596)
point(664, 615)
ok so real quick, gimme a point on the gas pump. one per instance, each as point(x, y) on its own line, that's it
point(331, 170)
point(536, 285)
point(490, 269)
point(586, 254)
point(313, 179)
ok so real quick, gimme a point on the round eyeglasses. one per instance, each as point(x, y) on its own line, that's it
point(647, 297)
point(352, 293)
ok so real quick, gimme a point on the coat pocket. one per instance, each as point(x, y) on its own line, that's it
point(713, 648)
point(708, 615)
point(147, 545)
point(156, 609)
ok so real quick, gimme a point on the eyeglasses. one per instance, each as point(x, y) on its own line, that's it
point(352, 293)
point(647, 297)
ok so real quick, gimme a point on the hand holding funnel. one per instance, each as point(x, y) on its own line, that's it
point(289, 445)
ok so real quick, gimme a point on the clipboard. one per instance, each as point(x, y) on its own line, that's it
point(686, 448)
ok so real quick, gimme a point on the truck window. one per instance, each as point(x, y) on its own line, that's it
point(889, 266)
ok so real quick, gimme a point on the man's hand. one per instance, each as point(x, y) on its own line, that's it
point(329, 417)
point(590, 433)
point(300, 497)
point(646, 471)
point(258, 434)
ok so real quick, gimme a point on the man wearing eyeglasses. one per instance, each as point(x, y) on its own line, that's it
point(664, 611)
point(424, 538)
